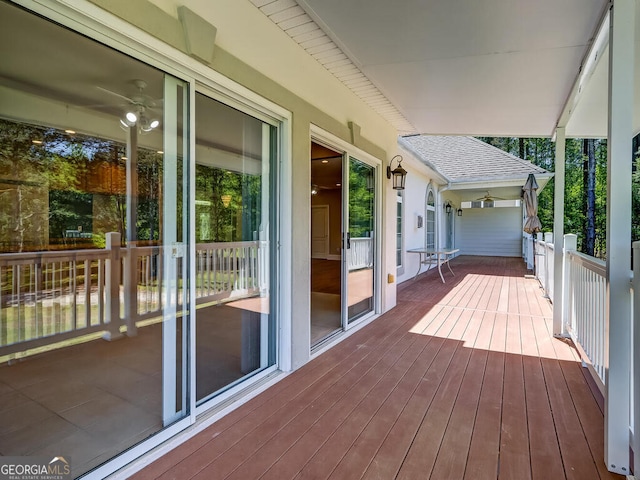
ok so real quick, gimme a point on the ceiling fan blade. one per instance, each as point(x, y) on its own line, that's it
point(115, 94)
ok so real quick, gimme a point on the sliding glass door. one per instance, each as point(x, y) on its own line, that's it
point(359, 261)
point(235, 327)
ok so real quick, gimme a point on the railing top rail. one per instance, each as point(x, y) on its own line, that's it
point(590, 263)
point(209, 246)
point(9, 259)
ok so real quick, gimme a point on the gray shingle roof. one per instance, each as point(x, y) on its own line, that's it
point(465, 159)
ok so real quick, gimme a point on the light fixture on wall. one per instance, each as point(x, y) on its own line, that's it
point(314, 189)
point(447, 207)
point(459, 212)
point(399, 174)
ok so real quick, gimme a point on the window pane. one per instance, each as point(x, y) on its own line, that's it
point(235, 327)
point(399, 226)
point(430, 227)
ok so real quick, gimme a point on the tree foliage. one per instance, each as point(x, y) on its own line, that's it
point(541, 152)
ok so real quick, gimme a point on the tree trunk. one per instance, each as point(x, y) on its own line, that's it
point(589, 196)
point(521, 147)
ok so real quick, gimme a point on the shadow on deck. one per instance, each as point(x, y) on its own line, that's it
point(460, 380)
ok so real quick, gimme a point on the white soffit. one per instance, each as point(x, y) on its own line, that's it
point(293, 20)
point(587, 117)
point(499, 68)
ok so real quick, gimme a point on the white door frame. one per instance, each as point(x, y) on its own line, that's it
point(322, 137)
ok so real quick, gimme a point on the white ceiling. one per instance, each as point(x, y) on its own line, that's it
point(462, 67)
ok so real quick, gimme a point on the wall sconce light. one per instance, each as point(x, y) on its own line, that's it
point(459, 212)
point(447, 208)
point(399, 174)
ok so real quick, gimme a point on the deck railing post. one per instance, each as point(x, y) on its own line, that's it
point(130, 290)
point(548, 262)
point(568, 317)
point(537, 258)
point(112, 287)
point(635, 387)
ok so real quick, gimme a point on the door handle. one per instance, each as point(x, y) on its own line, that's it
point(348, 240)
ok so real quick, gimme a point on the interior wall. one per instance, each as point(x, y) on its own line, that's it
point(332, 198)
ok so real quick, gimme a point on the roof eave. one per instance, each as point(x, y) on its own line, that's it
point(512, 181)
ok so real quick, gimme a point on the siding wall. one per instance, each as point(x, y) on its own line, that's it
point(494, 232)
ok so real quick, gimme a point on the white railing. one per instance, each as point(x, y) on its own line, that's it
point(585, 302)
point(544, 261)
point(360, 253)
point(528, 253)
point(226, 270)
point(49, 297)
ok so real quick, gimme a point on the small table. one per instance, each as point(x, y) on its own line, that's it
point(432, 256)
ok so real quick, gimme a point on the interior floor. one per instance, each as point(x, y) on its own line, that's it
point(325, 299)
point(94, 400)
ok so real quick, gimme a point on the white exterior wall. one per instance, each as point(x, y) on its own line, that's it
point(495, 232)
point(418, 178)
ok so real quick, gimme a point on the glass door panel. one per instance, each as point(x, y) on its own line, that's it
point(235, 327)
point(93, 258)
point(359, 261)
point(175, 256)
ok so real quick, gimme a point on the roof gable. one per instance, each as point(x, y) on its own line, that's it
point(467, 159)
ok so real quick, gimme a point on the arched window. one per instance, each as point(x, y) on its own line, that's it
point(430, 215)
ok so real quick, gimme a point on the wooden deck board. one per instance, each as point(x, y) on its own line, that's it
point(460, 380)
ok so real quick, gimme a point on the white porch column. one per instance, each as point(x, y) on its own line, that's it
point(618, 308)
point(558, 233)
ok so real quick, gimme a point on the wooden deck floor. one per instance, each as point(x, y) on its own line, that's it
point(461, 380)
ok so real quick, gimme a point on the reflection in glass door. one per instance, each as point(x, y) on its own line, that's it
point(235, 327)
point(360, 240)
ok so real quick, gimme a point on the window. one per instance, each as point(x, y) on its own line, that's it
point(430, 214)
point(399, 230)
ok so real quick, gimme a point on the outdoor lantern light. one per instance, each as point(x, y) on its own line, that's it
point(459, 212)
point(399, 173)
point(447, 208)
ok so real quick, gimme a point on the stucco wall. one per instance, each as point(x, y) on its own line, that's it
point(254, 52)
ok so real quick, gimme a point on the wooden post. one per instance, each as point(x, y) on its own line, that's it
point(618, 305)
point(112, 288)
point(558, 229)
point(570, 245)
point(636, 356)
point(130, 289)
point(548, 240)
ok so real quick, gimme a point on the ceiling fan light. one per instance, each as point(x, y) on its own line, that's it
point(131, 117)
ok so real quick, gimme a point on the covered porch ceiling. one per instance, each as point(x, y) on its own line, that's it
point(494, 68)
